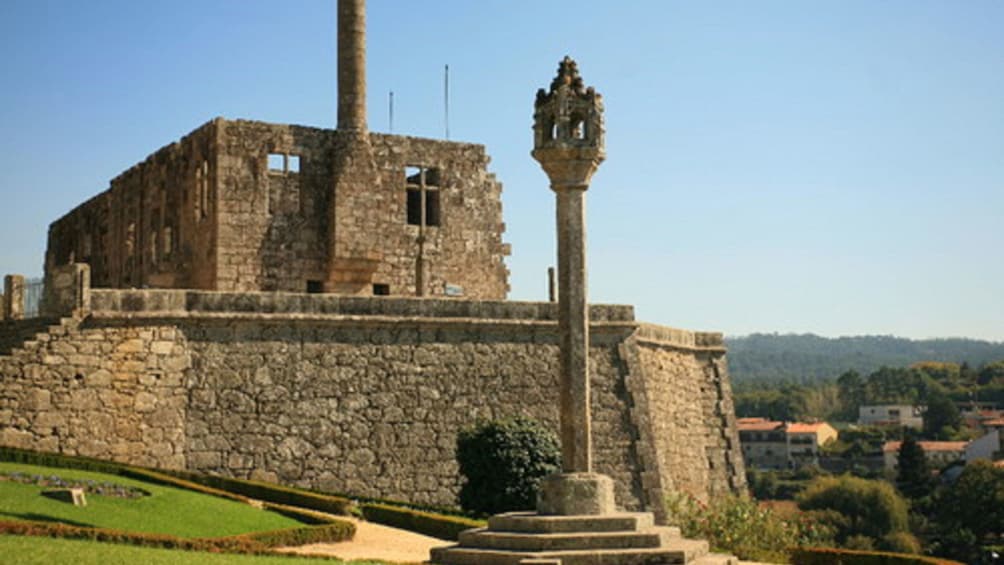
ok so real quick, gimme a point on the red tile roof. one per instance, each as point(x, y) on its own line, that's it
point(803, 428)
point(929, 445)
point(757, 425)
point(996, 422)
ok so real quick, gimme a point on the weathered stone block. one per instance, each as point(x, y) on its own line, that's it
point(573, 494)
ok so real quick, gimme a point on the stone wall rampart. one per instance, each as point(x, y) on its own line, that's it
point(361, 395)
point(115, 393)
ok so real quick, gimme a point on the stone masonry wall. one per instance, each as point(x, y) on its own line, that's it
point(362, 395)
point(115, 392)
point(274, 224)
point(374, 410)
point(154, 227)
point(684, 413)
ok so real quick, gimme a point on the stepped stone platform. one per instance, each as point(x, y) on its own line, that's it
point(528, 538)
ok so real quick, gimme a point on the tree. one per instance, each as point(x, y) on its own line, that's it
point(947, 375)
point(914, 477)
point(976, 501)
point(992, 373)
point(503, 462)
point(861, 507)
point(941, 420)
point(852, 394)
point(970, 513)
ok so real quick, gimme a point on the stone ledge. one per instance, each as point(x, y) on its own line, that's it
point(677, 338)
point(181, 301)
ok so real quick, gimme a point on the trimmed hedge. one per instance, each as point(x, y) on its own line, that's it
point(301, 514)
point(271, 493)
point(829, 556)
point(44, 459)
point(234, 489)
point(296, 503)
point(434, 525)
point(335, 531)
point(322, 528)
point(255, 543)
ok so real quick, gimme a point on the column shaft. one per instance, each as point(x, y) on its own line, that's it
point(573, 331)
point(352, 65)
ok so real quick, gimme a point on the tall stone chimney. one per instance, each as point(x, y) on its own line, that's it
point(352, 65)
point(353, 254)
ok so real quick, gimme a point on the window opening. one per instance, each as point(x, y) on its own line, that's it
point(130, 239)
point(277, 162)
point(168, 238)
point(381, 289)
point(153, 247)
point(315, 287)
point(283, 163)
point(423, 200)
point(201, 207)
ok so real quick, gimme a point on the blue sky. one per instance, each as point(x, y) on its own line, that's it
point(828, 167)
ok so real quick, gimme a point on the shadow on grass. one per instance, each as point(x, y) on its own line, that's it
point(34, 517)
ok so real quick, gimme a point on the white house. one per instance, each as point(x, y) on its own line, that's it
point(891, 415)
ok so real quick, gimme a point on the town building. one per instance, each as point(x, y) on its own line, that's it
point(768, 444)
point(805, 441)
point(891, 415)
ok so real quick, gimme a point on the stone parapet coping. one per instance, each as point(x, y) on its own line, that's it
point(179, 302)
point(685, 339)
point(110, 305)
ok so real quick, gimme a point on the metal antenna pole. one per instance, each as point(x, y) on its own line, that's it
point(446, 99)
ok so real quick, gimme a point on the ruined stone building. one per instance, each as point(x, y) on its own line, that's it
point(248, 206)
point(161, 343)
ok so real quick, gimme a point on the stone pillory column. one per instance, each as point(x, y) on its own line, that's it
point(352, 65)
point(576, 522)
point(568, 143)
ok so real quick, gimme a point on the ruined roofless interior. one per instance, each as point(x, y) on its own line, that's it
point(242, 205)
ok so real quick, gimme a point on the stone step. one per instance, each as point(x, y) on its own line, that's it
point(519, 541)
point(678, 552)
point(531, 522)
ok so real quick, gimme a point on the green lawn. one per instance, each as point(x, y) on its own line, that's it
point(28, 550)
point(168, 510)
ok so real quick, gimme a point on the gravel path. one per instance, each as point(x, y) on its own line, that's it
point(373, 541)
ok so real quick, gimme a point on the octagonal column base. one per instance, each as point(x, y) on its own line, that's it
point(576, 494)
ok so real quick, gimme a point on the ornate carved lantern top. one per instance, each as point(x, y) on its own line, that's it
point(568, 127)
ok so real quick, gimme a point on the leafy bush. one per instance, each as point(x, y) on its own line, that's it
point(503, 462)
point(738, 525)
point(863, 507)
point(435, 525)
point(828, 556)
point(332, 532)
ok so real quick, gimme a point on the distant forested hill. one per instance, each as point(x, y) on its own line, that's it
point(809, 357)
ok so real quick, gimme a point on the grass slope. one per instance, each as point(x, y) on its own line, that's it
point(45, 551)
point(167, 511)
